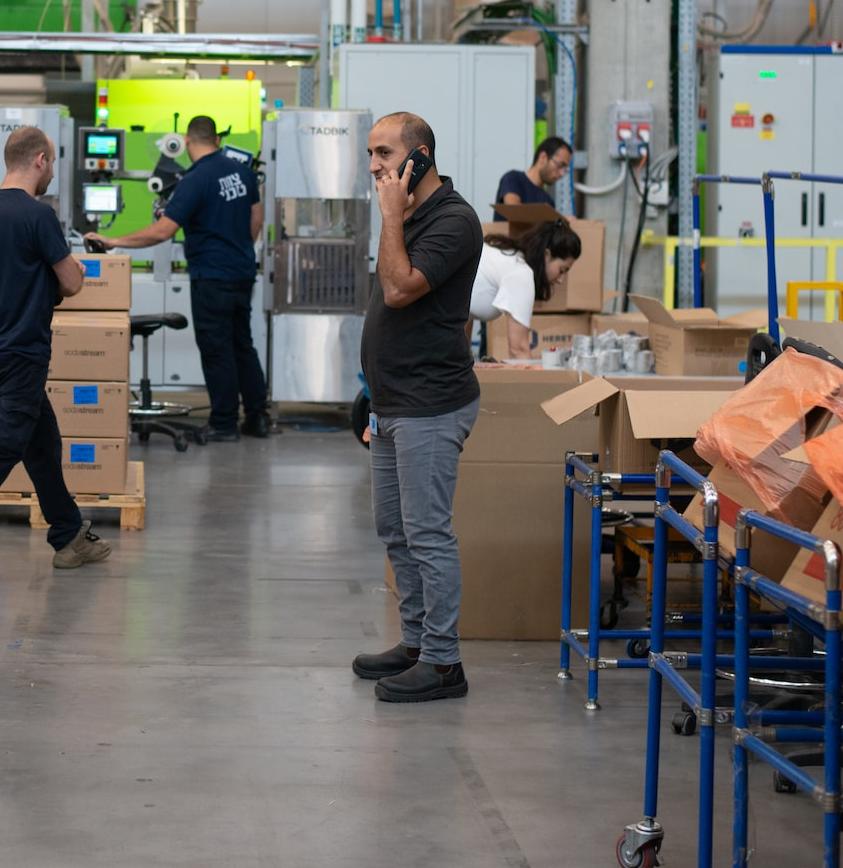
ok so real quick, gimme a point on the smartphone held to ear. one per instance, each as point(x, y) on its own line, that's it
point(421, 165)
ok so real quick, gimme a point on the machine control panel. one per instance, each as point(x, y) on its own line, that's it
point(630, 129)
point(101, 149)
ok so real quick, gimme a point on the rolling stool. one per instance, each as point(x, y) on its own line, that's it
point(155, 417)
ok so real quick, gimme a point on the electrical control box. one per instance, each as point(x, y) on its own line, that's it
point(100, 149)
point(776, 108)
point(630, 128)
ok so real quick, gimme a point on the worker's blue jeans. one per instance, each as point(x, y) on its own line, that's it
point(29, 433)
point(414, 476)
point(222, 322)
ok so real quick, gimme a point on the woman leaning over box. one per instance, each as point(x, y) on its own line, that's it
point(514, 273)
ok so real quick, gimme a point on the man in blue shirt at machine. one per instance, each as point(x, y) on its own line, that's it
point(550, 163)
point(217, 202)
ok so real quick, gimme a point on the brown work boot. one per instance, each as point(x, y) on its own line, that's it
point(84, 548)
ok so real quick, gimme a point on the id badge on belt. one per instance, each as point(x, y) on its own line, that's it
point(373, 424)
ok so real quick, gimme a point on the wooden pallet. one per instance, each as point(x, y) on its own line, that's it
point(132, 504)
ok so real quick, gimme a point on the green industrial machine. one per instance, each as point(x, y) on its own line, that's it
point(149, 109)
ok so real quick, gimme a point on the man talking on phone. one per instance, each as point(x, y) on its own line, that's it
point(425, 399)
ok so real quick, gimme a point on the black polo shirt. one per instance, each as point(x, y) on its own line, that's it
point(417, 359)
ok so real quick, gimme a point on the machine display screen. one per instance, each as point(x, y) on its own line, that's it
point(102, 145)
point(101, 198)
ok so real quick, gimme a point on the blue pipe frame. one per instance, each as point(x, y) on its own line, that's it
point(595, 489)
point(827, 726)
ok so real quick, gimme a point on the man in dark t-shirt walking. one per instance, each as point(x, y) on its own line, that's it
point(36, 272)
point(425, 399)
point(217, 202)
point(550, 162)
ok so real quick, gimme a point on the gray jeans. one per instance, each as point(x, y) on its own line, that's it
point(414, 476)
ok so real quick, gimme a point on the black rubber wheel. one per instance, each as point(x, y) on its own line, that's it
point(180, 443)
point(609, 615)
point(638, 649)
point(143, 436)
point(360, 416)
point(684, 723)
point(781, 784)
point(200, 437)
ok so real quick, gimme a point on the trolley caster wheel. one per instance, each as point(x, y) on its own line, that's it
point(645, 856)
point(609, 615)
point(143, 436)
point(781, 784)
point(180, 443)
point(638, 649)
point(684, 723)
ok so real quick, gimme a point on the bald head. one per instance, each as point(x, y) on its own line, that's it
point(24, 147)
point(415, 131)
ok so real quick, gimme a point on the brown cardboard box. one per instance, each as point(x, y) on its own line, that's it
point(582, 287)
point(508, 509)
point(694, 342)
point(828, 335)
point(91, 465)
point(107, 284)
point(90, 346)
point(770, 555)
point(622, 323)
point(497, 227)
point(508, 519)
point(806, 574)
point(90, 409)
point(641, 415)
point(546, 331)
point(511, 426)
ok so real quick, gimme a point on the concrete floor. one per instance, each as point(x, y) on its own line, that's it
point(190, 701)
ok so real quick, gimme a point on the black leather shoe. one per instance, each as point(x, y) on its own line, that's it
point(214, 435)
point(422, 683)
point(256, 425)
point(392, 662)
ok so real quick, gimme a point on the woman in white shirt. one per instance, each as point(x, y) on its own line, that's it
point(514, 273)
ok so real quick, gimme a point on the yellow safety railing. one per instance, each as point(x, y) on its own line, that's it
point(832, 287)
point(671, 242)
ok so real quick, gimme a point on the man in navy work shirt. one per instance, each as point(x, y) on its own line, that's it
point(217, 202)
point(36, 272)
point(425, 399)
point(550, 163)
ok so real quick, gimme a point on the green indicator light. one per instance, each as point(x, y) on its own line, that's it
point(768, 73)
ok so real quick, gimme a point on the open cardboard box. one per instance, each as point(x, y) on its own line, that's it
point(582, 287)
point(639, 416)
point(695, 341)
point(828, 335)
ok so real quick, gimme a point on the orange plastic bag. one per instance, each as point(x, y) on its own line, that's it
point(826, 454)
point(791, 400)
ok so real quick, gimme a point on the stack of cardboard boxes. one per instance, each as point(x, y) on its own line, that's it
point(88, 380)
point(575, 297)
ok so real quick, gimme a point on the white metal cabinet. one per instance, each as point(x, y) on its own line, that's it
point(478, 99)
point(764, 121)
point(147, 298)
point(182, 364)
point(828, 160)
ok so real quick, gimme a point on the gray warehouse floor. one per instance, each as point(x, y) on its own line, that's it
point(190, 702)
